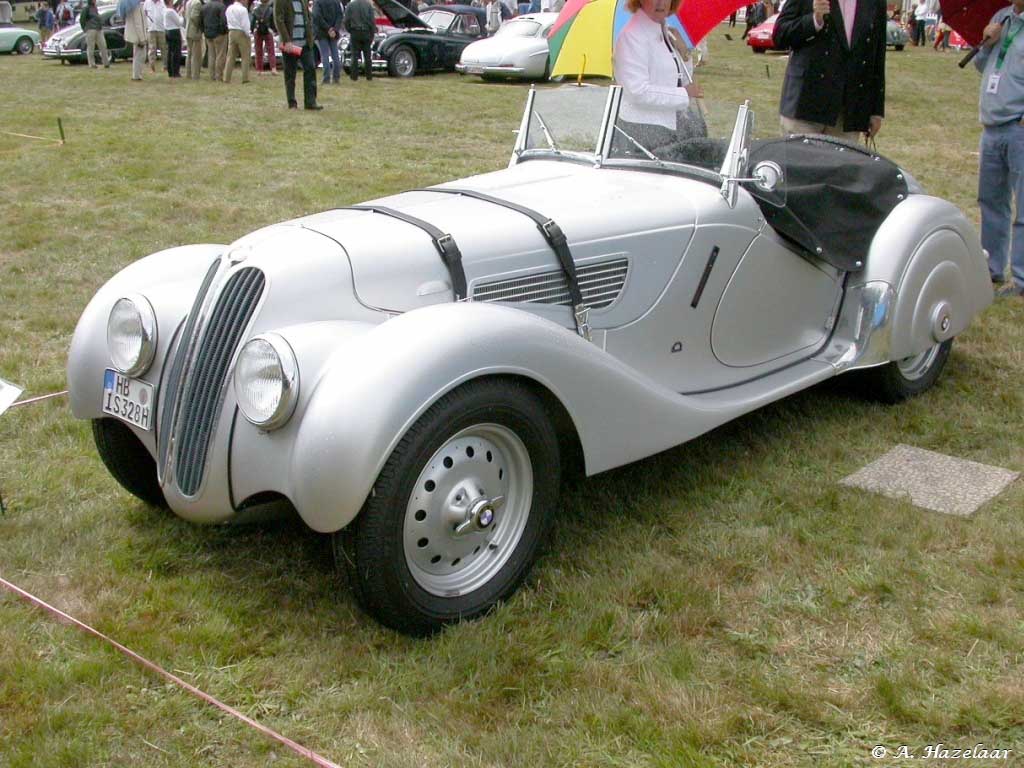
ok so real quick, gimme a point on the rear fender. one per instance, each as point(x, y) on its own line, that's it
point(930, 254)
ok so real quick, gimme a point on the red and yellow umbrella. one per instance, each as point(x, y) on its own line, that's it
point(583, 36)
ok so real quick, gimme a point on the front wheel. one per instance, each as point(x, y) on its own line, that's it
point(127, 459)
point(902, 379)
point(25, 46)
point(402, 62)
point(457, 515)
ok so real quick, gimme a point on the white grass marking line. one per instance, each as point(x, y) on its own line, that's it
point(309, 754)
point(39, 399)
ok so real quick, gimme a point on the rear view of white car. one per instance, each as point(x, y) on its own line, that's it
point(519, 49)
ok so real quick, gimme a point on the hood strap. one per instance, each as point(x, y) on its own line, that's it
point(443, 242)
point(553, 236)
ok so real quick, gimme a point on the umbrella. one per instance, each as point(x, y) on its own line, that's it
point(969, 17)
point(583, 36)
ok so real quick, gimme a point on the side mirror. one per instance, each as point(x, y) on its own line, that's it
point(767, 176)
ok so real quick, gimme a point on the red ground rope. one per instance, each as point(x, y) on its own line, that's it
point(144, 662)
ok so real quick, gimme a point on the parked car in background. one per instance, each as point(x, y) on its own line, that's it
point(761, 37)
point(411, 375)
point(429, 42)
point(68, 44)
point(895, 35)
point(15, 39)
point(518, 50)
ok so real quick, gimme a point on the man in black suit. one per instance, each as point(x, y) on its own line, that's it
point(835, 81)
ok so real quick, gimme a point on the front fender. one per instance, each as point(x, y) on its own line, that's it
point(379, 383)
point(930, 254)
point(169, 279)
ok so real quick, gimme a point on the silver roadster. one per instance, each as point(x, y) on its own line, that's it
point(412, 375)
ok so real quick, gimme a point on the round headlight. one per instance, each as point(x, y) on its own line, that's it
point(267, 381)
point(131, 335)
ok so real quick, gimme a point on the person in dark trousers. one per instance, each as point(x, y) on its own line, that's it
point(835, 79)
point(173, 26)
point(327, 19)
point(361, 26)
point(295, 28)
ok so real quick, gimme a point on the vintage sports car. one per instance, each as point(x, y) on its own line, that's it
point(760, 38)
point(895, 35)
point(413, 374)
point(14, 39)
point(68, 44)
point(430, 42)
point(519, 50)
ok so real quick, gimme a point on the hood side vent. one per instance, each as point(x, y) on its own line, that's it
point(600, 285)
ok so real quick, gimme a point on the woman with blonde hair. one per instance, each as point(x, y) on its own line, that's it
point(658, 91)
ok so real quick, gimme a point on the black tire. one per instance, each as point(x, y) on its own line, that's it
point(24, 46)
point(127, 459)
point(402, 62)
point(758, 50)
point(898, 47)
point(373, 550)
point(902, 379)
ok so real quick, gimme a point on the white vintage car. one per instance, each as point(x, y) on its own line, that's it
point(413, 374)
point(518, 50)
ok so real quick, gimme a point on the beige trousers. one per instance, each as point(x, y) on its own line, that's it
point(156, 40)
point(791, 125)
point(216, 53)
point(94, 38)
point(194, 63)
point(238, 45)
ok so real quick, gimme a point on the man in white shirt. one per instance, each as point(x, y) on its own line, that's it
point(239, 35)
point(154, 13)
point(493, 16)
point(920, 22)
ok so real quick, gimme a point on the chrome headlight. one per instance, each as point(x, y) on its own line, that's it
point(131, 334)
point(267, 381)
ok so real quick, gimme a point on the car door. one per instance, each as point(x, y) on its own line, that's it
point(740, 305)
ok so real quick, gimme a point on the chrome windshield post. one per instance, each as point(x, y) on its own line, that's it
point(736, 154)
point(607, 134)
point(524, 127)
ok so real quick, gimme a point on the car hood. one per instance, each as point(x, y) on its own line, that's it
point(395, 266)
point(496, 50)
point(401, 16)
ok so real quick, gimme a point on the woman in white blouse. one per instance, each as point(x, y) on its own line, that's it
point(658, 92)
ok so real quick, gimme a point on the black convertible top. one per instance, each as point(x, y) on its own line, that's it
point(833, 198)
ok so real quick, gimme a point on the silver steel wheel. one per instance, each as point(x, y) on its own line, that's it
point(914, 367)
point(25, 46)
point(405, 63)
point(468, 510)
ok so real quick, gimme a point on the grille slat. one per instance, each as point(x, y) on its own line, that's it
point(600, 285)
point(170, 393)
point(228, 320)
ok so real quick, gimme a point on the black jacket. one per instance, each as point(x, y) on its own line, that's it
point(90, 18)
point(327, 15)
point(213, 20)
point(359, 19)
point(826, 75)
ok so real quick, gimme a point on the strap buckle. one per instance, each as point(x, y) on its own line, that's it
point(446, 245)
point(553, 232)
point(581, 314)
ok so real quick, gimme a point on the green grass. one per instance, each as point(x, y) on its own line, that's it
point(724, 603)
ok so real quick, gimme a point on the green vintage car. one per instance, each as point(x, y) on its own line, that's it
point(15, 39)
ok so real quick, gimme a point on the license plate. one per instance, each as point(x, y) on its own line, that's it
point(128, 399)
point(474, 70)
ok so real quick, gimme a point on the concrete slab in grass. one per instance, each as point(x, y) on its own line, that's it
point(932, 480)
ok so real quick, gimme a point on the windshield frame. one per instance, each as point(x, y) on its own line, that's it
point(601, 156)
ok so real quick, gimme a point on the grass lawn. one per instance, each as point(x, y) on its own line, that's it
point(723, 603)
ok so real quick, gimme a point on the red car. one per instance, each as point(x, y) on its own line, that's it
point(760, 37)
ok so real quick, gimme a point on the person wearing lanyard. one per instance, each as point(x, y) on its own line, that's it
point(658, 91)
point(1001, 152)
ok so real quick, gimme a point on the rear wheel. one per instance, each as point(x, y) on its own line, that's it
point(902, 379)
point(402, 62)
point(898, 47)
point(127, 459)
point(458, 514)
point(24, 46)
